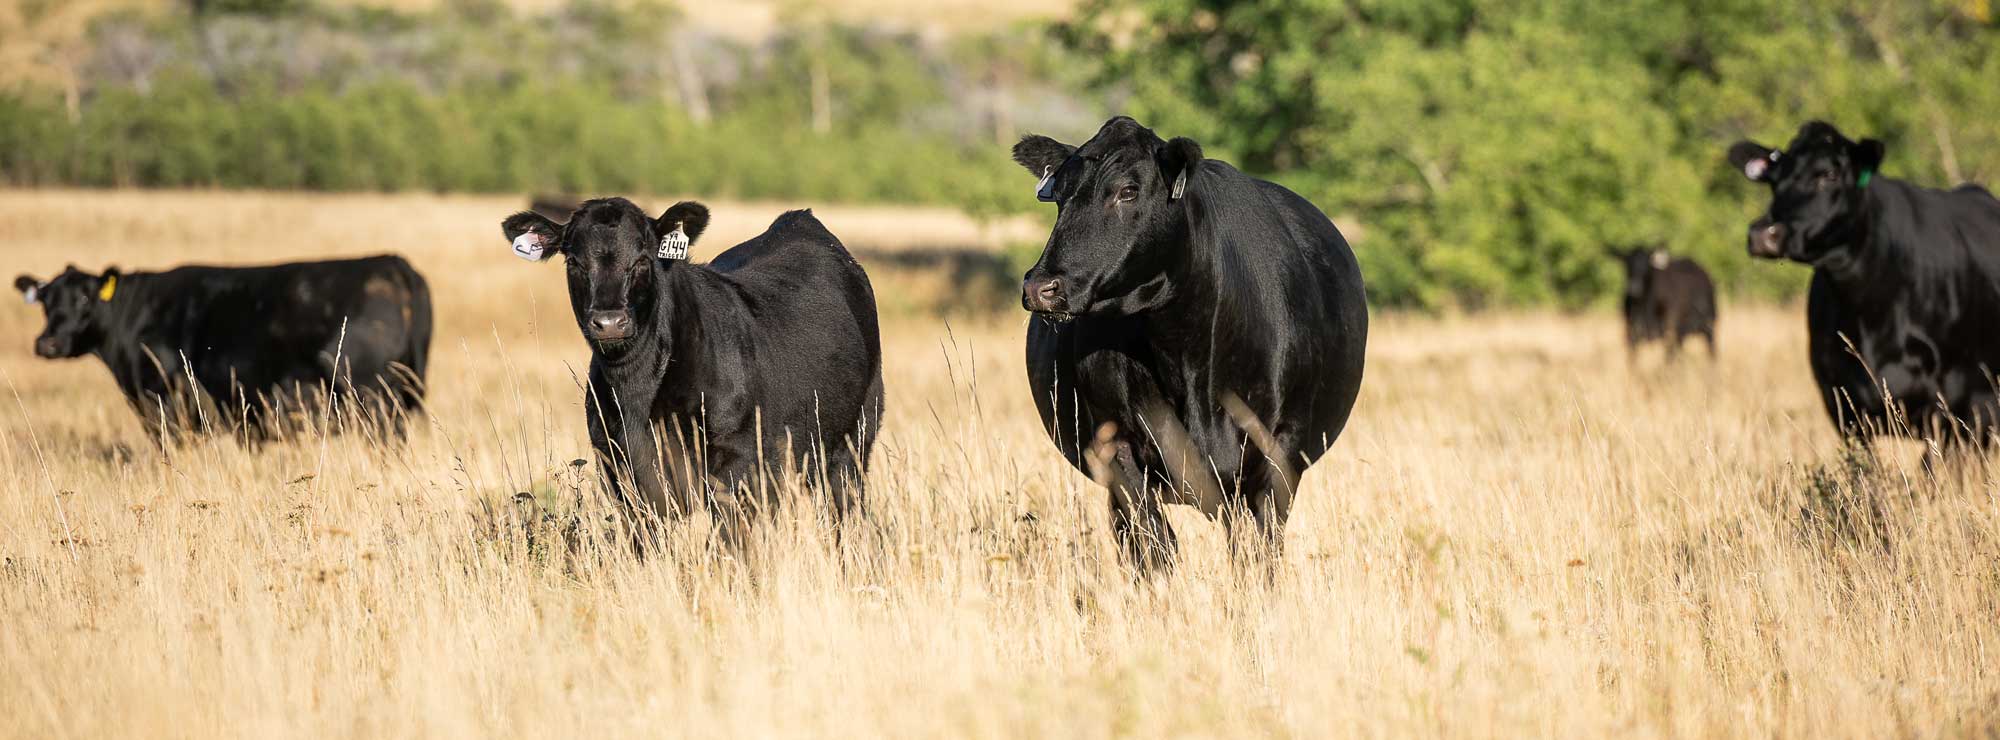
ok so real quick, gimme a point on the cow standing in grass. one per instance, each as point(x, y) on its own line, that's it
point(1903, 316)
point(709, 383)
point(1199, 333)
point(1667, 299)
point(249, 349)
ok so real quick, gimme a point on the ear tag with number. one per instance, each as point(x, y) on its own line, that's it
point(528, 246)
point(674, 246)
point(31, 294)
point(1180, 185)
point(1045, 191)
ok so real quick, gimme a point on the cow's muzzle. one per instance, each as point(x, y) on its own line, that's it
point(51, 348)
point(1767, 239)
point(1046, 295)
point(610, 326)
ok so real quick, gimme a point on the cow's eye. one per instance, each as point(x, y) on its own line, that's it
point(1128, 193)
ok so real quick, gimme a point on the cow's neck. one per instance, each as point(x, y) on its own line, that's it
point(1875, 259)
point(125, 327)
point(667, 341)
point(1184, 330)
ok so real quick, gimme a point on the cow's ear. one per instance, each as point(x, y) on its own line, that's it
point(1041, 155)
point(1752, 159)
point(687, 216)
point(107, 284)
point(29, 287)
point(1178, 160)
point(1867, 156)
point(534, 236)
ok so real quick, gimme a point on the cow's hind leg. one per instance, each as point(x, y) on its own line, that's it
point(1268, 508)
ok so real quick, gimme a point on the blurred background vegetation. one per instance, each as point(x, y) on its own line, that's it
point(1478, 152)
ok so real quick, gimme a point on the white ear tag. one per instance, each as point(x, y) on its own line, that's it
point(31, 293)
point(1661, 259)
point(528, 246)
point(1180, 185)
point(674, 246)
point(1045, 190)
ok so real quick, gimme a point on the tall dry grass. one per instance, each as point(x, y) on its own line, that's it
point(1519, 535)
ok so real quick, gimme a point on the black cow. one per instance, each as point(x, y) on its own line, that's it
point(707, 379)
point(252, 347)
point(1905, 277)
point(1667, 298)
point(1199, 333)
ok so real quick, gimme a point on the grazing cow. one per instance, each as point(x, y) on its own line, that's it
point(706, 379)
point(1667, 298)
point(252, 347)
point(1905, 296)
point(1198, 335)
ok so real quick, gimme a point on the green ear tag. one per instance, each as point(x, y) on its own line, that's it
point(1862, 181)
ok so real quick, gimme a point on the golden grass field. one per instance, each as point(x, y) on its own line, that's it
point(1519, 535)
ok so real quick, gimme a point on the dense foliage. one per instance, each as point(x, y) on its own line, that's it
point(1491, 149)
point(595, 97)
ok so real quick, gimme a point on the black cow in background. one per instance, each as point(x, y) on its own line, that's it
point(1198, 334)
point(554, 206)
point(706, 379)
point(250, 347)
point(1905, 296)
point(1667, 298)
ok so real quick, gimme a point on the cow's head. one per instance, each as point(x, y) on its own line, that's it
point(1817, 185)
point(1640, 264)
point(615, 255)
point(1121, 219)
point(74, 304)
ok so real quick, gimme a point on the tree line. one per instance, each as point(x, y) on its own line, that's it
point(1479, 152)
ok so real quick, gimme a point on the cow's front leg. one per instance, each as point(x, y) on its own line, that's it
point(1138, 515)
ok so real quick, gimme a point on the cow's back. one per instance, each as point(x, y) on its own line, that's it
point(252, 333)
point(811, 311)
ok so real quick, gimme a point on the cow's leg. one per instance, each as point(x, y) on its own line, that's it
point(1272, 509)
point(1139, 517)
point(846, 486)
point(631, 468)
point(1267, 504)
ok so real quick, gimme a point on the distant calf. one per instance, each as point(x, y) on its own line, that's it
point(704, 378)
point(251, 347)
point(1666, 298)
point(1903, 316)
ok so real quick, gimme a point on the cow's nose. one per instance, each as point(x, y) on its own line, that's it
point(1043, 295)
point(610, 324)
point(1767, 240)
point(46, 347)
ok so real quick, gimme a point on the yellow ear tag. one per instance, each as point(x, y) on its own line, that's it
point(110, 285)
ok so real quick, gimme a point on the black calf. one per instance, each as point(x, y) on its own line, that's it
point(707, 380)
